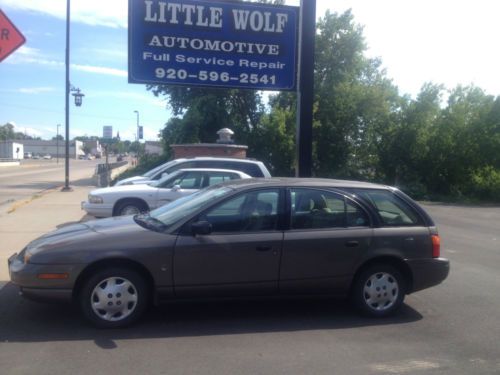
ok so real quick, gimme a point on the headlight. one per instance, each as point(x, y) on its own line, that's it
point(95, 199)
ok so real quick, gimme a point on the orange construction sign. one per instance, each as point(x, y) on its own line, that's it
point(10, 37)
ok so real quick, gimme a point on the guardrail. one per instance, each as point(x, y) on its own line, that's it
point(102, 167)
point(103, 175)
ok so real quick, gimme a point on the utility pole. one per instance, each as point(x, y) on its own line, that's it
point(66, 165)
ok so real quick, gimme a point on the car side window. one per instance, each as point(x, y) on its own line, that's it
point(392, 210)
point(248, 212)
point(188, 180)
point(219, 177)
point(315, 209)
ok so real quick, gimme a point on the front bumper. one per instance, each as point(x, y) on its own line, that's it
point(25, 275)
point(98, 210)
point(428, 272)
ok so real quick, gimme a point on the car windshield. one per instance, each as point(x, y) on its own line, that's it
point(154, 171)
point(185, 206)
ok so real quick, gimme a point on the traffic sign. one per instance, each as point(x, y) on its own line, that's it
point(10, 37)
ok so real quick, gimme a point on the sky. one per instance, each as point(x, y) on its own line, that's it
point(442, 41)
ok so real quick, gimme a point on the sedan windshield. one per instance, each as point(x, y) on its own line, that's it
point(185, 206)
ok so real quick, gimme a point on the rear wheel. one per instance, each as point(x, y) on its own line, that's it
point(379, 290)
point(114, 297)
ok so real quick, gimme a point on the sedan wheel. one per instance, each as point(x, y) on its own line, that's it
point(114, 297)
point(130, 207)
point(129, 210)
point(379, 290)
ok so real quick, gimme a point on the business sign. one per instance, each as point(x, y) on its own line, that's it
point(107, 132)
point(10, 37)
point(210, 43)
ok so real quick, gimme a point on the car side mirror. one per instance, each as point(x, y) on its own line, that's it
point(176, 187)
point(164, 174)
point(201, 227)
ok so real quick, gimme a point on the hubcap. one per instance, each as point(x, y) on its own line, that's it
point(114, 299)
point(381, 291)
point(130, 210)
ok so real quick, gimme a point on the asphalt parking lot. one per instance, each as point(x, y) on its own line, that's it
point(450, 329)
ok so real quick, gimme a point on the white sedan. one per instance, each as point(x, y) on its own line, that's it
point(133, 199)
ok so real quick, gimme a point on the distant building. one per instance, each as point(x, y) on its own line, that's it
point(224, 147)
point(153, 148)
point(11, 150)
point(53, 148)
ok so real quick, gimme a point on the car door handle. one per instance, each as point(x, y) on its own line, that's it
point(352, 243)
point(263, 248)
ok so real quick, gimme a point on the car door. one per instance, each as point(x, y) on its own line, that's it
point(241, 255)
point(185, 183)
point(328, 233)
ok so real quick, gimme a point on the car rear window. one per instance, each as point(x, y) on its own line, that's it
point(392, 210)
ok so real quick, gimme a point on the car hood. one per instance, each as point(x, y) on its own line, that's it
point(125, 189)
point(84, 242)
point(130, 180)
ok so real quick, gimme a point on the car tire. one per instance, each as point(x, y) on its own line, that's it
point(378, 290)
point(114, 297)
point(130, 207)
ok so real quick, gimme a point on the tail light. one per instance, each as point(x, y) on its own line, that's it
point(436, 246)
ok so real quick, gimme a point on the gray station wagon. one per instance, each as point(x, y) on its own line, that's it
point(256, 237)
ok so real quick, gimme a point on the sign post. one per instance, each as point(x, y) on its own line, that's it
point(305, 92)
point(10, 37)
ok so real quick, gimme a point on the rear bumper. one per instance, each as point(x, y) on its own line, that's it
point(428, 272)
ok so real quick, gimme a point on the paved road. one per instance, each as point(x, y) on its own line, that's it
point(34, 176)
point(451, 329)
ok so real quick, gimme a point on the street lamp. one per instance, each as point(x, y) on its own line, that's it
point(57, 140)
point(78, 96)
point(137, 137)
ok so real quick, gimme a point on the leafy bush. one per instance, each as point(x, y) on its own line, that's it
point(485, 184)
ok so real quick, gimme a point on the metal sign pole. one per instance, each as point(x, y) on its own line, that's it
point(305, 86)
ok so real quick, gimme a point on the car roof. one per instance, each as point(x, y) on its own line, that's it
point(210, 170)
point(303, 182)
point(252, 161)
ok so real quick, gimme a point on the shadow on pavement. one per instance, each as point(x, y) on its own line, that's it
point(25, 321)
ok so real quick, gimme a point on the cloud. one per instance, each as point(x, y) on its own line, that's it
point(33, 56)
point(27, 129)
point(35, 90)
point(100, 70)
point(109, 13)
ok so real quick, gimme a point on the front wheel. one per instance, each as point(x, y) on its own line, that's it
point(379, 290)
point(114, 297)
point(130, 207)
